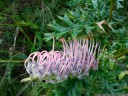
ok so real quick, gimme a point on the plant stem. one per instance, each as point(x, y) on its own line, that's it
point(111, 9)
point(121, 54)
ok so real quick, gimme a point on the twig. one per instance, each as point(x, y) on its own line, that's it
point(14, 44)
point(12, 49)
point(15, 61)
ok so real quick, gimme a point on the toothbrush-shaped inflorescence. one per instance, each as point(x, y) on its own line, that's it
point(76, 59)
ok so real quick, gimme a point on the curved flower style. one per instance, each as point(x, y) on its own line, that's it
point(77, 58)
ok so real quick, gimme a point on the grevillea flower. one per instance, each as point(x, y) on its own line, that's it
point(76, 59)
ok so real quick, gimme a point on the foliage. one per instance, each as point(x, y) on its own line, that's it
point(28, 26)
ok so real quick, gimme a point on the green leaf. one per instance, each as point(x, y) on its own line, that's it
point(48, 36)
point(29, 79)
point(74, 92)
point(28, 23)
point(75, 31)
point(58, 28)
point(58, 92)
point(67, 20)
point(88, 28)
point(2, 18)
point(118, 4)
point(74, 15)
point(94, 2)
point(80, 86)
point(122, 74)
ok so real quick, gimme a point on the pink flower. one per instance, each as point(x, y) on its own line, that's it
point(76, 58)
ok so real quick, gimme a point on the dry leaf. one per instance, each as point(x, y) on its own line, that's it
point(103, 22)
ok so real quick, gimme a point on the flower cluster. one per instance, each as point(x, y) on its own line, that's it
point(76, 59)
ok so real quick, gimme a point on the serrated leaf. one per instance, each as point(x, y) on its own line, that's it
point(75, 15)
point(75, 31)
point(101, 23)
point(58, 28)
point(67, 20)
point(88, 28)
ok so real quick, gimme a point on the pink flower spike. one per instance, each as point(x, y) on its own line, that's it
point(76, 58)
